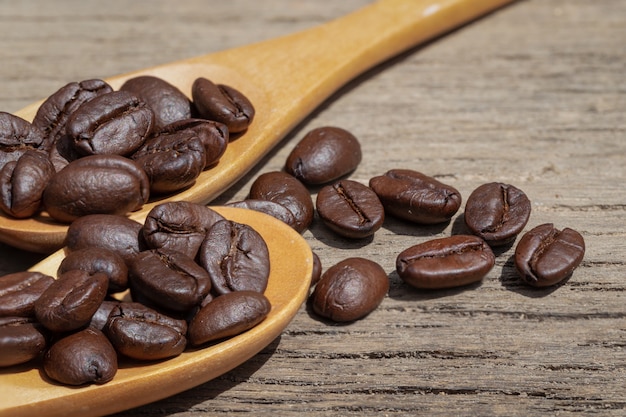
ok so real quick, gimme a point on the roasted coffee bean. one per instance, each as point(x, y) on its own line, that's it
point(278, 211)
point(445, 262)
point(167, 102)
point(101, 316)
point(350, 209)
point(17, 136)
point(317, 269)
point(323, 155)
point(286, 190)
point(21, 340)
point(54, 112)
point(415, 197)
point(70, 301)
point(114, 123)
point(20, 290)
point(169, 279)
point(228, 315)
point(172, 161)
point(142, 333)
point(223, 104)
point(545, 256)
point(94, 260)
point(83, 357)
point(236, 257)
point(23, 182)
point(213, 135)
point(497, 212)
point(97, 184)
point(116, 233)
point(350, 290)
point(179, 225)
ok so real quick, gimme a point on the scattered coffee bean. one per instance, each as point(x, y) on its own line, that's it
point(445, 262)
point(323, 155)
point(223, 104)
point(228, 315)
point(70, 301)
point(350, 290)
point(20, 290)
point(497, 212)
point(166, 101)
point(21, 340)
point(317, 269)
point(236, 257)
point(179, 225)
point(139, 332)
point(271, 208)
point(23, 182)
point(169, 279)
point(545, 256)
point(94, 260)
point(17, 136)
point(116, 233)
point(350, 209)
point(287, 191)
point(83, 357)
point(415, 197)
point(97, 184)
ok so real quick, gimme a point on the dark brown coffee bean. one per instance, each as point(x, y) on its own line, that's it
point(350, 290)
point(317, 269)
point(236, 257)
point(497, 212)
point(83, 357)
point(21, 340)
point(228, 315)
point(94, 260)
point(142, 333)
point(278, 211)
point(287, 191)
point(172, 161)
point(17, 136)
point(20, 290)
point(167, 102)
point(179, 225)
point(70, 301)
point(223, 104)
point(97, 184)
point(324, 154)
point(114, 123)
point(169, 279)
point(445, 262)
point(415, 197)
point(116, 233)
point(545, 256)
point(350, 209)
point(23, 182)
point(54, 112)
point(213, 135)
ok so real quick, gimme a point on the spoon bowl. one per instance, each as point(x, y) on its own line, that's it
point(26, 392)
point(285, 78)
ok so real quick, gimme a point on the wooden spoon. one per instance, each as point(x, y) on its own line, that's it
point(286, 79)
point(27, 392)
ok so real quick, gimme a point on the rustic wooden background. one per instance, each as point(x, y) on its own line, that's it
point(533, 95)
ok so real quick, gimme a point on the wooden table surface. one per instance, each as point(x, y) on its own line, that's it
point(533, 95)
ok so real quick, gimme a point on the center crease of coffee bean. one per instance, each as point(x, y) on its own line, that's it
point(343, 194)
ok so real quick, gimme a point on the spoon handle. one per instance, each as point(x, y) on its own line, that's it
point(301, 70)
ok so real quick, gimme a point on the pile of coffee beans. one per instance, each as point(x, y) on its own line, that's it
point(495, 214)
point(186, 277)
point(90, 149)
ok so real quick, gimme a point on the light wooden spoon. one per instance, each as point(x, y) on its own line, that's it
point(26, 392)
point(286, 79)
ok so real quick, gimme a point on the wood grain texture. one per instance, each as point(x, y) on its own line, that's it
point(533, 95)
